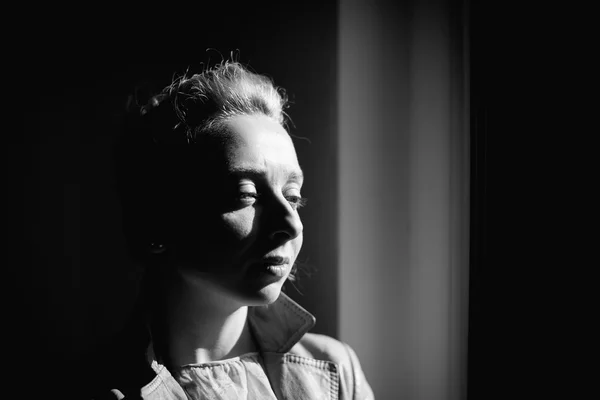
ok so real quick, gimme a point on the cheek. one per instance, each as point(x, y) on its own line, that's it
point(238, 225)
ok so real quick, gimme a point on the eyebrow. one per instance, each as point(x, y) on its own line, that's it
point(256, 173)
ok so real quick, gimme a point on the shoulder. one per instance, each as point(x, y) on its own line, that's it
point(321, 347)
point(326, 348)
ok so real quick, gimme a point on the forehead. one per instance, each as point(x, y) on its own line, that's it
point(259, 142)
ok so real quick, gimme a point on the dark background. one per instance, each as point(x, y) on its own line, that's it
point(71, 282)
point(529, 184)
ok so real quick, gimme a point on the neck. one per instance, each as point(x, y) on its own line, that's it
point(201, 324)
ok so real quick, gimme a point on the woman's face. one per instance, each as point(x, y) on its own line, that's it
point(248, 231)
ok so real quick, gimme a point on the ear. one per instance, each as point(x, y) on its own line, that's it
point(157, 248)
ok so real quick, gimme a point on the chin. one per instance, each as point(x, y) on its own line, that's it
point(262, 296)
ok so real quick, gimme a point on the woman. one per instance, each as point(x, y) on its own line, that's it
point(211, 191)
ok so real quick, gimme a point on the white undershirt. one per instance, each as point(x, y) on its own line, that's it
point(238, 378)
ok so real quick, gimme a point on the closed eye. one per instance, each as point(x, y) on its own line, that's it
point(296, 201)
point(248, 197)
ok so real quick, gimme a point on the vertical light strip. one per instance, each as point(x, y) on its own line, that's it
point(373, 179)
point(403, 176)
point(429, 209)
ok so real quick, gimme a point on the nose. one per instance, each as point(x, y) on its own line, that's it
point(285, 223)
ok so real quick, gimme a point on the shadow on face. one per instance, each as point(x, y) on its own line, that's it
point(238, 204)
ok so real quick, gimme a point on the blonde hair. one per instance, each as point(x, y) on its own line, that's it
point(202, 102)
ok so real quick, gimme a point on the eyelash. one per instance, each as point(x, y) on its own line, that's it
point(295, 201)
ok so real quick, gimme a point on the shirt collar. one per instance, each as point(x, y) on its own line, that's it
point(277, 327)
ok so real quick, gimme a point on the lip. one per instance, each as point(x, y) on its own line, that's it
point(277, 270)
point(274, 261)
point(275, 266)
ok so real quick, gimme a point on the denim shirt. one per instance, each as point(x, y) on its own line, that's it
point(298, 364)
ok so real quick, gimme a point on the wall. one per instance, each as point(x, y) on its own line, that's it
point(403, 177)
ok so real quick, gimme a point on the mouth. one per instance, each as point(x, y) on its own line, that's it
point(273, 265)
point(274, 261)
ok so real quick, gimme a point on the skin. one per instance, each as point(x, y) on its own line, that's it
point(255, 181)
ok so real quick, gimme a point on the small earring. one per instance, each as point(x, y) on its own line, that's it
point(157, 248)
